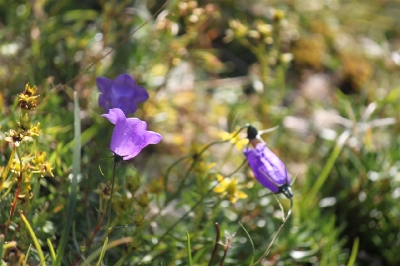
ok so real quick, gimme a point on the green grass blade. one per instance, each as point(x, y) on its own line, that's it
point(74, 183)
point(1, 245)
point(52, 252)
point(103, 252)
point(110, 245)
point(354, 252)
point(34, 239)
point(252, 244)
point(328, 165)
point(27, 255)
point(189, 253)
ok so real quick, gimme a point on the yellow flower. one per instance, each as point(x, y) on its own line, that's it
point(41, 165)
point(202, 167)
point(229, 187)
point(27, 100)
point(234, 138)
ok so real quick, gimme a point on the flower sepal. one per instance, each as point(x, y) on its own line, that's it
point(286, 190)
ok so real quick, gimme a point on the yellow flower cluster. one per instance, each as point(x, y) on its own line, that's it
point(229, 187)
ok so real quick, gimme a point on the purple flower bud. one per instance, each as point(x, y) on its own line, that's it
point(122, 93)
point(130, 135)
point(268, 169)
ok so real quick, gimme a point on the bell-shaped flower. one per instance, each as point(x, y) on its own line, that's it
point(268, 169)
point(122, 93)
point(130, 135)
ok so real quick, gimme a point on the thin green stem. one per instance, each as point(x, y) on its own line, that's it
point(111, 197)
point(276, 234)
point(7, 169)
point(35, 240)
point(15, 202)
point(51, 248)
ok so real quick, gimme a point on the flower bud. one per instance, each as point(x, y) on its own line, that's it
point(268, 169)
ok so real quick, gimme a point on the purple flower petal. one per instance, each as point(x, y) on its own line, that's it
point(141, 95)
point(114, 115)
point(122, 93)
point(130, 135)
point(103, 101)
point(125, 80)
point(104, 84)
point(268, 169)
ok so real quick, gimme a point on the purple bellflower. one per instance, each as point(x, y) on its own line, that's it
point(268, 169)
point(130, 135)
point(122, 93)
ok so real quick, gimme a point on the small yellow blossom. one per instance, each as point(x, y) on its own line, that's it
point(47, 169)
point(203, 167)
point(15, 138)
point(27, 100)
point(229, 187)
point(42, 167)
point(34, 131)
point(234, 138)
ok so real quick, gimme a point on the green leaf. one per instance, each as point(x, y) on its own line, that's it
point(354, 252)
point(1, 245)
point(52, 252)
point(103, 252)
point(188, 249)
point(74, 183)
point(110, 245)
point(34, 238)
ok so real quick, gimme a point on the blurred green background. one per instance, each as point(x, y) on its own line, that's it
point(326, 72)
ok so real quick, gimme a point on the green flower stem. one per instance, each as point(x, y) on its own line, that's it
point(15, 202)
point(111, 197)
point(51, 248)
point(354, 251)
point(276, 234)
point(110, 245)
point(35, 240)
point(189, 252)
point(5, 172)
